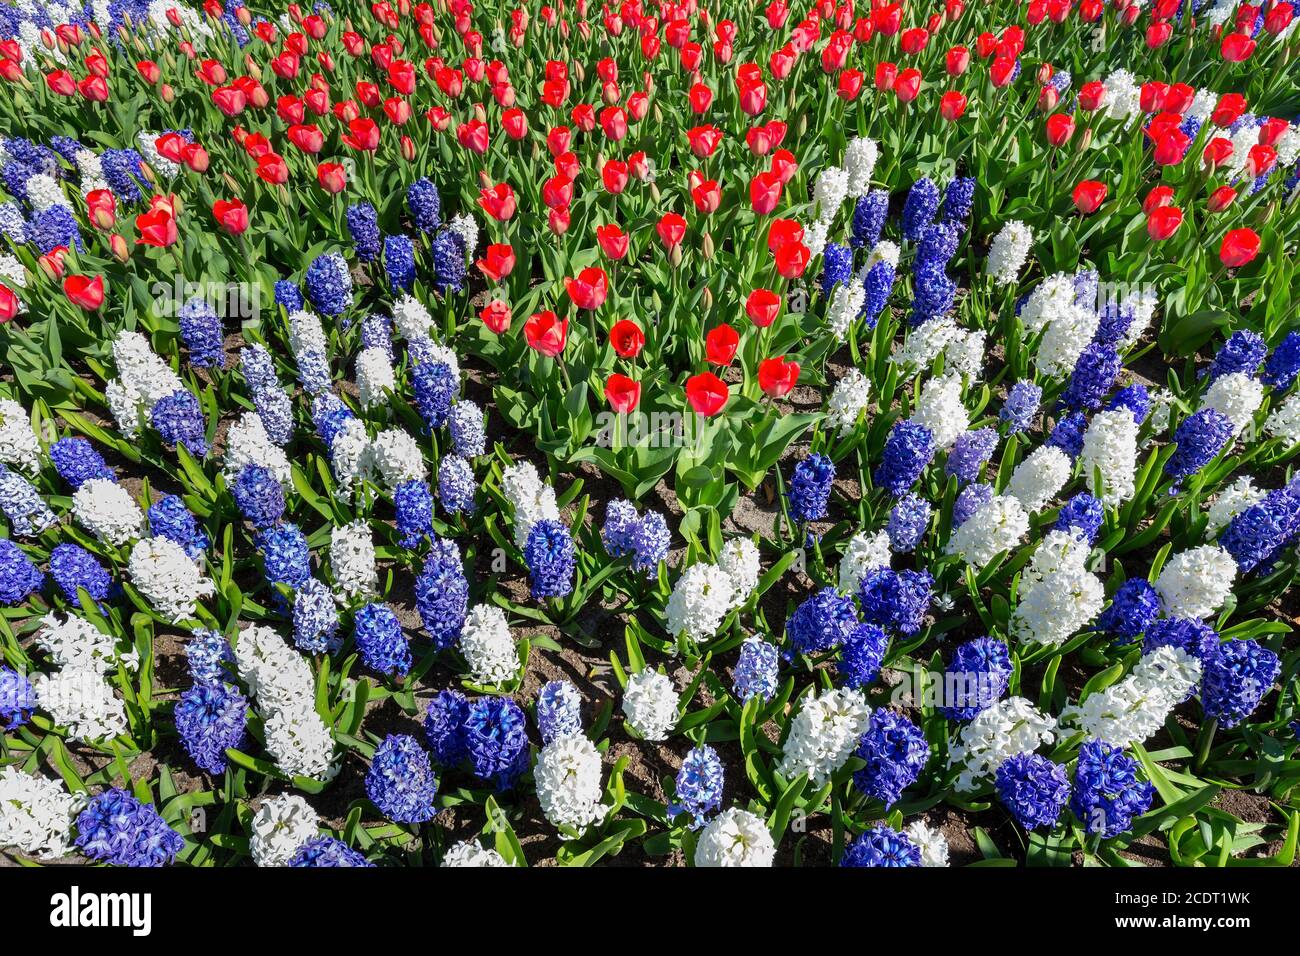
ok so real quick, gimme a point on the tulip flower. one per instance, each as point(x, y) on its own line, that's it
point(720, 345)
point(332, 177)
point(777, 376)
point(622, 393)
point(1164, 222)
point(763, 306)
point(589, 289)
point(231, 215)
point(10, 304)
point(671, 229)
point(1221, 199)
point(546, 334)
point(1060, 127)
point(613, 241)
point(706, 393)
point(84, 291)
point(626, 338)
point(498, 201)
point(952, 105)
point(496, 316)
point(498, 261)
point(1089, 195)
point(1239, 247)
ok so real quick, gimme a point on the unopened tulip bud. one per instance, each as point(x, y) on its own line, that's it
point(675, 256)
point(480, 113)
point(149, 175)
point(1086, 139)
point(408, 149)
point(121, 251)
point(706, 248)
point(167, 93)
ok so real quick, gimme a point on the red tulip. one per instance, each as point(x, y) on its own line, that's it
point(1164, 222)
point(792, 259)
point(1239, 247)
point(157, 228)
point(498, 261)
point(707, 196)
point(671, 229)
point(1089, 195)
point(546, 334)
point(1228, 110)
point(496, 316)
point(515, 123)
point(307, 138)
point(589, 289)
point(613, 241)
point(908, 85)
point(84, 292)
point(952, 105)
point(332, 177)
point(498, 201)
point(614, 176)
point(1091, 96)
point(720, 345)
point(1158, 197)
point(1221, 199)
point(229, 100)
point(763, 306)
point(1236, 47)
point(764, 193)
point(93, 88)
point(626, 338)
point(101, 208)
point(231, 215)
point(886, 74)
point(362, 135)
point(1060, 127)
point(1259, 160)
point(957, 61)
point(622, 393)
point(149, 71)
point(10, 304)
point(1002, 70)
point(272, 169)
point(706, 393)
point(777, 376)
point(1217, 151)
point(704, 140)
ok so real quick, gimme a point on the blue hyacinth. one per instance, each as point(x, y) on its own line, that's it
point(879, 285)
point(1134, 398)
point(919, 209)
point(425, 205)
point(559, 710)
point(1094, 375)
point(896, 600)
point(401, 782)
point(435, 386)
point(329, 284)
point(288, 296)
point(1199, 438)
point(1242, 352)
point(1021, 406)
point(17, 699)
point(823, 621)
point(908, 449)
point(414, 504)
point(1256, 536)
point(908, 521)
point(1082, 516)
point(200, 329)
point(399, 263)
point(969, 452)
point(379, 638)
point(1283, 365)
point(970, 500)
point(444, 727)
point(1107, 794)
point(869, 218)
point(465, 422)
point(77, 461)
point(1033, 789)
point(211, 717)
point(72, 567)
point(19, 577)
point(259, 496)
point(209, 657)
point(698, 785)
point(938, 244)
point(1067, 434)
point(169, 518)
point(27, 513)
point(756, 670)
point(1134, 606)
point(456, 485)
point(810, 488)
point(881, 846)
point(327, 851)
point(976, 677)
point(959, 200)
point(837, 267)
point(1235, 680)
point(117, 828)
point(315, 618)
point(286, 558)
point(895, 752)
point(442, 594)
point(551, 561)
point(496, 735)
point(861, 655)
point(363, 227)
point(1190, 636)
point(179, 420)
point(448, 251)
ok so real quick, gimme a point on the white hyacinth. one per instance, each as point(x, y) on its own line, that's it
point(352, 558)
point(76, 643)
point(306, 334)
point(700, 601)
point(487, 646)
point(940, 409)
point(1236, 396)
point(397, 456)
point(38, 814)
point(964, 355)
point(650, 704)
point(864, 552)
point(144, 376)
point(860, 158)
point(1057, 595)
point(247, 443)
point(1196, 582)
point(830, 190)
point(1135, 708)
point(1143, 302)
point(350, 456)
point(162, 571)
point(284, 689)
point(1123, 99)
point(107, 510)
point(849, 399)
point(1284, 422)
point(567, 775)
point(997, 525)
point(739, 561)
point(466, 226)
point(1110, 449)
point(735, 837)
point(1039, 477)
point(280, 826)
point(1008, 252)
point(80, 699)
point(375, 378)
point(469, 853)
point(932, 844)
point(531, 499)
point(845, 307)
point(411, 319)
point(924, 343)
point(1230, 502)
point(18, 445)
point(1068, 334)
point(824, 734)
point(1009, 727)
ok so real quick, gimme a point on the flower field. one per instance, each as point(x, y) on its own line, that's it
point(700, 434)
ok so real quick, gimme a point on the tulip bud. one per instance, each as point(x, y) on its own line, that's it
point(408, 149)
point(167, 93)
point(121, 251)
point(707, 246)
